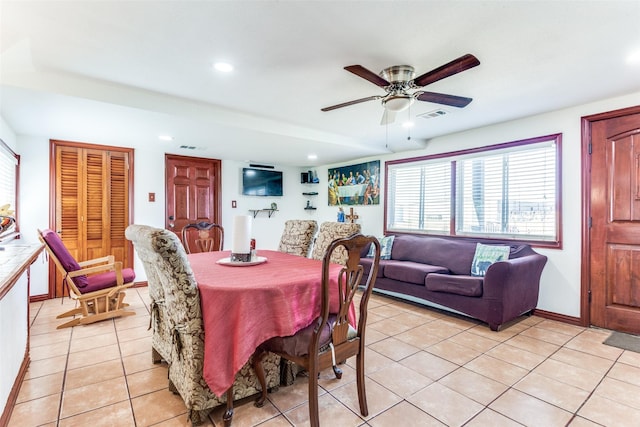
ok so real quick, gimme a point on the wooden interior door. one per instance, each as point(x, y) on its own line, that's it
point(193, 190)
point(91, 193)
point(615, 217)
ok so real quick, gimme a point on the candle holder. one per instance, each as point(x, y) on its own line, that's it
point(240, 257)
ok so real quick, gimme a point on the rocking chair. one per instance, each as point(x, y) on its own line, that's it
point(100, 296)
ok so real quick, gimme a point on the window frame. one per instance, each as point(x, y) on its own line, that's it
point(453, 157)
point(6, 151)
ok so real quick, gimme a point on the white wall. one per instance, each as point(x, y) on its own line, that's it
point(560, 285)
point(7, 134)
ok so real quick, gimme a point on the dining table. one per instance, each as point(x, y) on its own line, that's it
point(244, 305)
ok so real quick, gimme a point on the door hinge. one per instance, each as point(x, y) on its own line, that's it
point(590, 148)
point(589, 295)
point(590, 222)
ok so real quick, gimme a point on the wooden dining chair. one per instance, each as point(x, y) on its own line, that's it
point(202, 237)
point(330, 339)
point(97, 285)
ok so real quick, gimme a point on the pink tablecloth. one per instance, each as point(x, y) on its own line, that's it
point(244, 306)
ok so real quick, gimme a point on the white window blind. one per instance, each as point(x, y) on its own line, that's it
point(421, 197)
point(507, 192)
point(8, 178)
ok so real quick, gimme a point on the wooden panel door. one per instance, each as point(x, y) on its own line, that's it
point(193, 191)
point(615, 216)
point(91, 202)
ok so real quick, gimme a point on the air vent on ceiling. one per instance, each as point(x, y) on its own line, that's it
point(433, 114)
point(191, 147)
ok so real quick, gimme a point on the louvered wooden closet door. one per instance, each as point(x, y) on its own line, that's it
point(92, 203)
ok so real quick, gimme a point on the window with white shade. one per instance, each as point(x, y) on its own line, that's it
point(507, 191)
point(9, 163)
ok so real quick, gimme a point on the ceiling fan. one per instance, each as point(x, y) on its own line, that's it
point(398, 80)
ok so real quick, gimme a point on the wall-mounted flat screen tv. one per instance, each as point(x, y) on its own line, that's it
point(260, 182)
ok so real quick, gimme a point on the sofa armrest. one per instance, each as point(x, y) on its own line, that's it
point(514, 284)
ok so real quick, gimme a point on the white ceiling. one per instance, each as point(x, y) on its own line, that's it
point(127, 71)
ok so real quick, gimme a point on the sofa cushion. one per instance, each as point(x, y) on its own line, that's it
point(454, 255)
point(366, 265)
point(470, 286)
point(411, 272)
point(486, 255)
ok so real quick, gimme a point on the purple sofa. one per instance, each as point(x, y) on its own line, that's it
point(438, 270)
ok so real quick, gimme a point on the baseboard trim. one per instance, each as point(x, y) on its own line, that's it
point(38, 298)
point(559, 317)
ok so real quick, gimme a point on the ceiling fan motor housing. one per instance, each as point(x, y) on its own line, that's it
point(398, 74)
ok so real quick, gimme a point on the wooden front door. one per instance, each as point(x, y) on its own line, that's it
point(91, 188)
point(614, 239)
point(193, 191)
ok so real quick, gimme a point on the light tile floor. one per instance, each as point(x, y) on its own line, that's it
point(423, 367)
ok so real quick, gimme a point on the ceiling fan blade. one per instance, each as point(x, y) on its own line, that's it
point(388, 117)
point(346, 104)
point(454, 67)
point(441, 98)
point(360, 71)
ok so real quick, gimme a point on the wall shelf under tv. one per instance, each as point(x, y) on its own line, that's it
point(255, 212)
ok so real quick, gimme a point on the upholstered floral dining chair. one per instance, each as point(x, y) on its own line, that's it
point(166, 264)
point(297, 236)
point(330, 231)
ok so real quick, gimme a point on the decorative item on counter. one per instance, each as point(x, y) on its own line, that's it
point(7, 220)
point(241, 248)
point(274, 206)
point(340, 214)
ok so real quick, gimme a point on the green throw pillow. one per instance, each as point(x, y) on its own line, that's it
point(485, 256)
point(386, 243)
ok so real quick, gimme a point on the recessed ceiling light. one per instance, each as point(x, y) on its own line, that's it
point(223, 67)
point(634, 57)
point(312, 157)
point(165, 138)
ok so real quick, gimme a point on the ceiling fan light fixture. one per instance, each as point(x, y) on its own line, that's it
point(398, 103)
point(223, 67)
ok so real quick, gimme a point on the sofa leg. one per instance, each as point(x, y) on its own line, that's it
point(494, 327)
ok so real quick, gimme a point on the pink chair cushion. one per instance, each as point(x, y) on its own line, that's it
point(107, 280)
point(62, 253)
point(84, 283)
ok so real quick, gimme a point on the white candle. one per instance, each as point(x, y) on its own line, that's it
point(241, 234)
